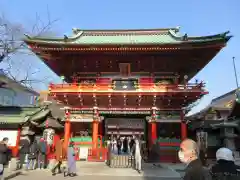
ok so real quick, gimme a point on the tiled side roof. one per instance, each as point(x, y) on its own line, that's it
point(111, 37)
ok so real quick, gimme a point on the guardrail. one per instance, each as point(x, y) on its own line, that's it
point(138, 87)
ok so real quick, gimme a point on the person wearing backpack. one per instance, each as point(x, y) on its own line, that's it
point(32, 157)
point(42, 154)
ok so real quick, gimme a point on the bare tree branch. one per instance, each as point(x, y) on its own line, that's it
point(12, 48)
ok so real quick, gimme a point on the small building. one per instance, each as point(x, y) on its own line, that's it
point(12, 93)
point(220, 119)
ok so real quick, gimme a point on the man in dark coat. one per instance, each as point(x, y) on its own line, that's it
point(188, 154)
point(4, 156)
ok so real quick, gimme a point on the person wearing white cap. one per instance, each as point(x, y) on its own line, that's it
point(225, 163)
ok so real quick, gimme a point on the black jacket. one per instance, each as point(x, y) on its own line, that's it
point(195, 171)
point(24, 146)
point(4, 154)
point(225, 169)
point(33, 151)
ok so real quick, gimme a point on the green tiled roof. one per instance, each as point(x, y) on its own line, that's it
point(127, 37)
point(15, 115)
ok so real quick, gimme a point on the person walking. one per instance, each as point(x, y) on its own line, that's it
point(132, 145)
point(4, 156)
point(58, 156)
point(119, 145)
point(24, 146)
point(42, 154)
point(225, 166)
point(72, 168)
point(125, 145)
point(32, 157)
point(114, 145)
point(189, 155)
point(138, 157)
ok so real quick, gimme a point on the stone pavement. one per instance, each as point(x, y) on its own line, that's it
point(93, 170)
point(100, 169)
point(38, 175)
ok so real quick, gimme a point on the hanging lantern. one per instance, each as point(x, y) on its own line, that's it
point(48, 135)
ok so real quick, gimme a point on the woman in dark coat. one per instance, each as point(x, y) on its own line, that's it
point(225, 165)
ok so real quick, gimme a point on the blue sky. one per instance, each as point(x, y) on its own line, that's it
point(196, 18)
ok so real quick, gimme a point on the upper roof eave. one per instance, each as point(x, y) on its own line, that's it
point(172, 32)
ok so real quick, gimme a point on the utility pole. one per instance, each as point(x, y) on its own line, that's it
point(235, 72)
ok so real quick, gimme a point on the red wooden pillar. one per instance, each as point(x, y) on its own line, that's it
point(95, 127)
point(67, 129)
point(153, 131)
point(95, 134)
point(183, 127)
point(153, 125)
point(16, 148)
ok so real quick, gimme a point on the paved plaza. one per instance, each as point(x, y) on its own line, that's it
point(88, 171)
point(41, 176)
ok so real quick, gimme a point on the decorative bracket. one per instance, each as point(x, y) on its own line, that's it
point(153, 116)
point(96, 116)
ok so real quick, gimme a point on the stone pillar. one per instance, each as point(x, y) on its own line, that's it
point(183, 127)
point(67, 129)
point(95, 125)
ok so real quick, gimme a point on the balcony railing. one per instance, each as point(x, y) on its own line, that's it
point(143, 87)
